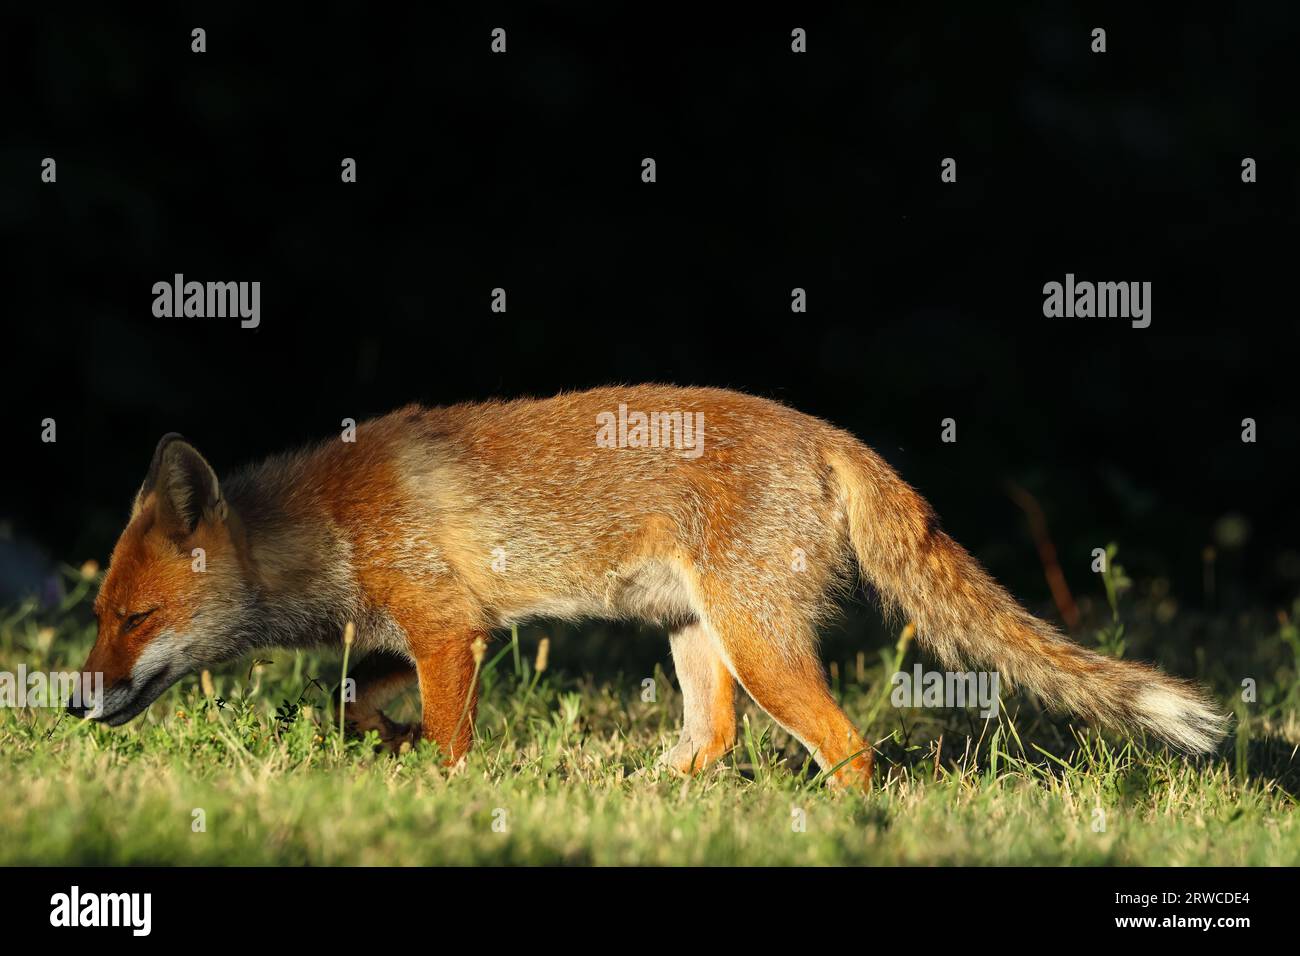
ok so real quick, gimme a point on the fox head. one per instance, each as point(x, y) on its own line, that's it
point(166, 608)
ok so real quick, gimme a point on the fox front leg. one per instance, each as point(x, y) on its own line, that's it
point(442, 645)
point(448, 690)
point(379, 677)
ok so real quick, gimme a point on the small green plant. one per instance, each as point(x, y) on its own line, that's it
point(286, 713)
point(1110, 636)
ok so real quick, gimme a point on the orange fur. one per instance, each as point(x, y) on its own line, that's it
point(438, 525)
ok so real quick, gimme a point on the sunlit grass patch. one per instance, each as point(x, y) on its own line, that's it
point(248, 767)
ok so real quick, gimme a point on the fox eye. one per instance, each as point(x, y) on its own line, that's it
point(133, 620)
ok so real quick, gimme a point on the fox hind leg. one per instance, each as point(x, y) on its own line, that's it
point(785, 678)
point(708, 700)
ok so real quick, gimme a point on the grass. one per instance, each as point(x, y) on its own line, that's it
point(248, 767)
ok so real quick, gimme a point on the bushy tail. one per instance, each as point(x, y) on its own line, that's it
point(965, 617)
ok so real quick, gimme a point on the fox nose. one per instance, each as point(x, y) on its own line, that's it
point(78, 710)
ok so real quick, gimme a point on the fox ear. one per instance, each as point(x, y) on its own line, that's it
point(184, 487)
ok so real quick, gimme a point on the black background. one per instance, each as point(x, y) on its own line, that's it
point(282, 907)
point(775, 170)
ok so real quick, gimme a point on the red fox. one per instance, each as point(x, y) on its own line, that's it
point(729, 520)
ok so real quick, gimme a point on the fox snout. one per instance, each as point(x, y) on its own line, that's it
point(122, 691)
point(125, 699)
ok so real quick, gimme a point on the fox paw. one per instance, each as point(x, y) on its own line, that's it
point(393, 737)
point(687, 757)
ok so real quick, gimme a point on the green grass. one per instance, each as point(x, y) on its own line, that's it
point(555, 757)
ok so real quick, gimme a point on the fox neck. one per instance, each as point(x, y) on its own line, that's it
point(300, 591)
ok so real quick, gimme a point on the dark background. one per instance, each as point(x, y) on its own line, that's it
point(775, 170)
